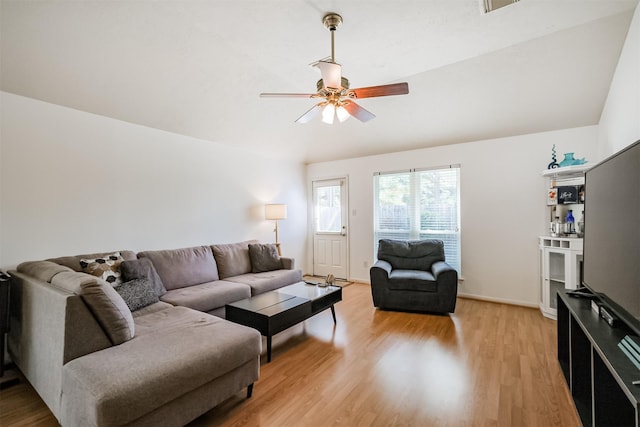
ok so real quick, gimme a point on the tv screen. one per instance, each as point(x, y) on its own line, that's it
point(612, 234)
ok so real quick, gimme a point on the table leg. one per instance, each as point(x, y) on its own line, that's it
point(333, 313)
point(268, 348)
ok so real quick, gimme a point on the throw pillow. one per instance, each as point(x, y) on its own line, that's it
point(142, 269)
point(109, 309)
point(264, 257)
point(233, 259)
point(106, 268)
point(137, 293)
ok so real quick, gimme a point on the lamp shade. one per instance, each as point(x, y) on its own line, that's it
point(275, 212)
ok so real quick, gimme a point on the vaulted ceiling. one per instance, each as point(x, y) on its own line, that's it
point(197, 67)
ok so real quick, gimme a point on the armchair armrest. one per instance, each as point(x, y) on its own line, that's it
point(382, 265)
point(441, 267)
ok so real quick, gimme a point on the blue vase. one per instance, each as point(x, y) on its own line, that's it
point(568, 160)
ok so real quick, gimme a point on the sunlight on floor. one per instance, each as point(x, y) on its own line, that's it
point(427, 369)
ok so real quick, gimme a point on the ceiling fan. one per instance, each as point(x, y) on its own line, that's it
point(337, 100)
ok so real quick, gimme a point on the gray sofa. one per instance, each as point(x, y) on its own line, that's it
point(413, 276)
point(95, 362)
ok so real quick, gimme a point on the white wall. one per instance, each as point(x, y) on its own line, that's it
point(620, 121)
point(74, 182)
point(503, 198)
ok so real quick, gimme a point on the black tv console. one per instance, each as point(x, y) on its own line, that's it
point(599, 375)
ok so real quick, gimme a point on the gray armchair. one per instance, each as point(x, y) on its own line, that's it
point(413, 276)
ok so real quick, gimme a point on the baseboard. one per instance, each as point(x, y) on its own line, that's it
point(497, 300)
point(471, 296)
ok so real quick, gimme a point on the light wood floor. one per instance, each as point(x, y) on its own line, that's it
point(486, 365)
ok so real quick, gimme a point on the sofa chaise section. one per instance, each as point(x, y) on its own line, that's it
point(59, 343)
point(177, 354)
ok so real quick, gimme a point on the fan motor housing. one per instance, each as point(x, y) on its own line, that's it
point(344, 82)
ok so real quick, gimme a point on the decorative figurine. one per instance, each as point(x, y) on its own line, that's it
point(569, 160)
point(554, 160)
point(330, 280)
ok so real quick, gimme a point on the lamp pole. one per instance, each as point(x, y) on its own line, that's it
point(277, 243)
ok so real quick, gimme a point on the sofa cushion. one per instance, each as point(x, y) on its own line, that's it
point(411, 255)
point(106, 267)
point(109, 309)
point(179, 268)
point(158, 306)
point(73, 262)
point(176, 350)
point(207, 296)
point(137, 293)
point(412, 280)
point(267, 281)
point(264, 257)
point(142, 269)
point(233, 258)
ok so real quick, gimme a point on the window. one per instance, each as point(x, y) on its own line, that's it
point(419, 204)
point(328, 203)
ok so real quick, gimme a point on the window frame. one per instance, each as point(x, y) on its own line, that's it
point(451, 237)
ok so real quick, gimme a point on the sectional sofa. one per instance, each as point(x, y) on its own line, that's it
point(125, 338)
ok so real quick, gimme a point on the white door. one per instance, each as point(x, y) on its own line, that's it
point(330, 252)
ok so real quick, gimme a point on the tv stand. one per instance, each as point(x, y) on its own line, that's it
point(599, 375)
point(581, 293)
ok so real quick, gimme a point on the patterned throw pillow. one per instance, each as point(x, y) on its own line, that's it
point(107, 268)
point(142, 269)
point(137, 293)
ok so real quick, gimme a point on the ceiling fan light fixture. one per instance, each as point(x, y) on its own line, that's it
point(342, 113)
point(328, 113)
point(335, 90)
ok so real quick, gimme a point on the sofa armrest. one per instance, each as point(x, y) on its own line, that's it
point(288, 263)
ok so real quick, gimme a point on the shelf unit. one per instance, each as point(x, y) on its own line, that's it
point(560, 259)
point(567, 171)
point(597, 372)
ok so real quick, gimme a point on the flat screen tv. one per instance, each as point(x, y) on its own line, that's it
point(611, 252)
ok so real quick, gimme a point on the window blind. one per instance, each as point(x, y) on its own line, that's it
point(419, 204)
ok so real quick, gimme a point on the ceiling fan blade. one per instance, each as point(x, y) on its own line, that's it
point(310, 114)
point(331, 74)
point(287, 95)
point(384, 90)
point(358, 112)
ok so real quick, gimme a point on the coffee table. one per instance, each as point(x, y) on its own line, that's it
point(275, 311)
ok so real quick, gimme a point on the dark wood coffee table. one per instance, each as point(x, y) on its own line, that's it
point(275, 311)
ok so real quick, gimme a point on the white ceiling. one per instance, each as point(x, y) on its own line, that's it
point(196, 67)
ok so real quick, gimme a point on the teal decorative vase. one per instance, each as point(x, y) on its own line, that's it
point(568, 160)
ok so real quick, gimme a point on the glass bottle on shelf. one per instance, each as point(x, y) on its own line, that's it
point(570, 223)
point(556, 227)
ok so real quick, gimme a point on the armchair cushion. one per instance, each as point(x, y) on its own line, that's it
point(412, 280)
point(411, 255)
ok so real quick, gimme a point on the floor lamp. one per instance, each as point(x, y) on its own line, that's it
point(276, 212)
